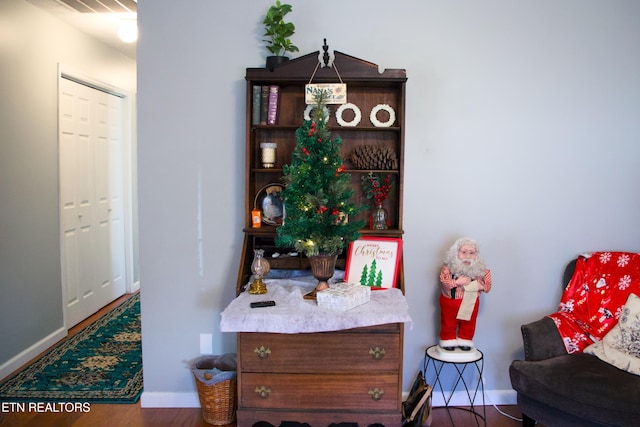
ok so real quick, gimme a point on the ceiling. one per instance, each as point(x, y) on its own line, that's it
point(99, 19)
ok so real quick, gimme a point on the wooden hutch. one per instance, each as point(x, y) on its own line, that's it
point(326, 377)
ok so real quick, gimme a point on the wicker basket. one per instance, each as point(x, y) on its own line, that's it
point(216, 383)
point(218, 402)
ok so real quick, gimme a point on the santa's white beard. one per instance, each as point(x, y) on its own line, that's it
point(475, 270)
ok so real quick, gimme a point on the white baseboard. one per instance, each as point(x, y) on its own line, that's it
point(30, 353)
point(169, 400)
point(491, 397)
point(134, 287)
point(190, 400)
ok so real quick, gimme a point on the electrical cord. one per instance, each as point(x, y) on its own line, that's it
point(500, 411)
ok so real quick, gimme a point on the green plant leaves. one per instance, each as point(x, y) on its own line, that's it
point(277, 30)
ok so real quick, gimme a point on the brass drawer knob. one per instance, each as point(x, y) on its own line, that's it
point(263, 391)
point(262, 352)
point(376, 393)
point(377, 353)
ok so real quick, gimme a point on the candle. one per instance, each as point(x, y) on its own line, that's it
point(268, 154)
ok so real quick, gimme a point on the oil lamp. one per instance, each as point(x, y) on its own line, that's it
point(260, 267)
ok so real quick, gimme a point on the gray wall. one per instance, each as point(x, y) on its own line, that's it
point(32, 43)
point(522, 131)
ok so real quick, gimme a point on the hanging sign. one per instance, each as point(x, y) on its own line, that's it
point(336, 93)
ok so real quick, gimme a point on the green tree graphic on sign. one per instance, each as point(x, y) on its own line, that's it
point(371, 276)
point(363, 276)
point(379, 279)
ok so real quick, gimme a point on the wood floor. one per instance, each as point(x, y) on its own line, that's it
point(133, 415)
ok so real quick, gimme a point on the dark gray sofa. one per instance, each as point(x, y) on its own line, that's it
point(559, 389)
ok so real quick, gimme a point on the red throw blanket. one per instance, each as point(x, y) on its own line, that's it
point(591, 303)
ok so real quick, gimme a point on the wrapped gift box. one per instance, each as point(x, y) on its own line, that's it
point(343, 296)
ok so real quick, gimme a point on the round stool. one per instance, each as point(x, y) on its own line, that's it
point(459, 360)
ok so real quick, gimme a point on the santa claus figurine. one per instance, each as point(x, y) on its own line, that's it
point(463, 277)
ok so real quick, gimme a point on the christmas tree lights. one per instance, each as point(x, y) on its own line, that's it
point(318, 192)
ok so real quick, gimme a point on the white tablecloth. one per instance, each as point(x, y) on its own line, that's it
point(292, 314)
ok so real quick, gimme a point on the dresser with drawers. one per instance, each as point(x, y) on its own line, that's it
point(354, 376)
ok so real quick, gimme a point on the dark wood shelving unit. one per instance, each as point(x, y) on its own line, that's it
point(310, 381)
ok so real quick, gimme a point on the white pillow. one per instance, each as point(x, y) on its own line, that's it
point(621, 346)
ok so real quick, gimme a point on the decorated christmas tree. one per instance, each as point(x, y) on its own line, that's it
point(317, 191)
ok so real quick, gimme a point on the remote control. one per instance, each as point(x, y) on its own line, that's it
point(262, 304)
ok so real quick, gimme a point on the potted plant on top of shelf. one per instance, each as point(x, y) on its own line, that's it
point(317, 198)
point(278, 32)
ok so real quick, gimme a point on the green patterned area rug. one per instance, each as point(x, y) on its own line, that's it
point(100, 364)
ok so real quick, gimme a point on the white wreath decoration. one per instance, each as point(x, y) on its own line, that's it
point(356, 111)
point(325, 112)
point(374, 119)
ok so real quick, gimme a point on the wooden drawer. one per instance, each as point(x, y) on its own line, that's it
point(353, 392)
point(318, 418)
point(319, 353)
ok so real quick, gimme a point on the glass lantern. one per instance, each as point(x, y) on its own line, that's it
point(260, 267)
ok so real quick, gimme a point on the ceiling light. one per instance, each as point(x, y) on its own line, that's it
point(128, 31)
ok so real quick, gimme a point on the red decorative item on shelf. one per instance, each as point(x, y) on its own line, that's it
point(376, 187)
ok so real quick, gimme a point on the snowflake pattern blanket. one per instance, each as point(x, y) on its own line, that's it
point(592, 301)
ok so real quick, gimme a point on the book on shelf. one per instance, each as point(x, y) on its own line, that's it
point(264, 104)
point(274, 97)
point(256, 104)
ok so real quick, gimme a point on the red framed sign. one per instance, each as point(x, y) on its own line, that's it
point(374, 262)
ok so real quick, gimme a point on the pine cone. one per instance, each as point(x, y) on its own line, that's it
point(387, 158)
point(373, 157)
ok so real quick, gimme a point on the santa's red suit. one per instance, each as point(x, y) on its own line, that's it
point(455, 331)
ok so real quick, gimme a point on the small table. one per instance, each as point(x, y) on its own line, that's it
point(432, 356)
